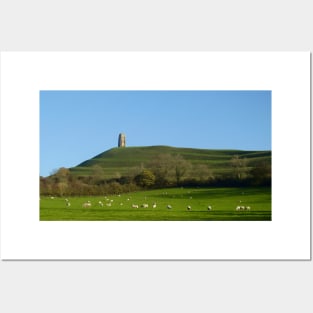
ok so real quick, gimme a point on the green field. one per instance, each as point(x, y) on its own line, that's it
point(223, 202)
point(121, 161)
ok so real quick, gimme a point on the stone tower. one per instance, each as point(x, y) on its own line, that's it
point(121, 140)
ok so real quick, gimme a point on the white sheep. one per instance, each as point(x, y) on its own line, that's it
point(145, 205)
point(68, 204)
point(243, 208)
point(100, 203)
point(188, 207)
point(87, 204)
point(154, 205)
point(209, 208)
point(135, 206)
point(169, 206)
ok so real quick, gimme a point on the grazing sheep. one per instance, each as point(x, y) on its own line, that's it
point(87, 204)
point(52, 198)
point(209, 208)
point(109, 204)
point(188, 207)
point(145, 205)
point(68, 204)
point(169, 206)
point(135, 206)
point(243, 208)
point(100, 203)
point(154, 205)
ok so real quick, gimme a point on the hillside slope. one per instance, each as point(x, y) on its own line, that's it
point(124, 161)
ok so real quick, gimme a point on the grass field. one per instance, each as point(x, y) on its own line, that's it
point(223, 202)
point(120, 161)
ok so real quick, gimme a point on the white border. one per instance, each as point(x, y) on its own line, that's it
point(23, 74)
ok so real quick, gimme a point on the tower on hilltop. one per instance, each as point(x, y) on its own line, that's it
point(121, 140)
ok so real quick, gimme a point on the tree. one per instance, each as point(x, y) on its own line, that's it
point(239, 166)
point(62, 174)
point(161, 166)
point(181, 166)
point(62, 188)
point(97, 173)
point(45, 186)
point(114, 187)
point(145, 179)
point(202, 172)
point(167, 167)
point(261, 174)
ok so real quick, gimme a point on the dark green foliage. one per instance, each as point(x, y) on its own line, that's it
point(261, 174)
point(145, 179)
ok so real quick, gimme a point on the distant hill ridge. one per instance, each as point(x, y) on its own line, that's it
point(122, 161)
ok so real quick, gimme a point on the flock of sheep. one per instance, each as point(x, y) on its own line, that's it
point(108, 203)
point(242, 208)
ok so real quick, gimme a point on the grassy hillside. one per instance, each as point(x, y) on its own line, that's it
point(124, 161)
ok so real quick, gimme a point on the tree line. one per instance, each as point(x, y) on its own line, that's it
point(165, 170)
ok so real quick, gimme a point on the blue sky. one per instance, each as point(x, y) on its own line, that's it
point(78, 125)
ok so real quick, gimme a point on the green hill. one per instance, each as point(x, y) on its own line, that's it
point(118, 162)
